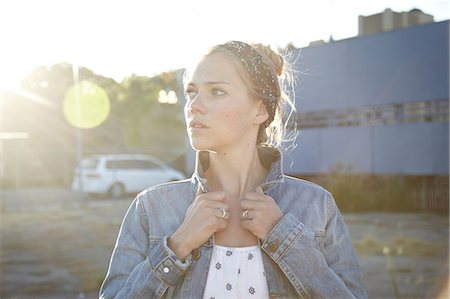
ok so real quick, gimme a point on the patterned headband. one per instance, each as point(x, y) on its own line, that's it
point(261, 74)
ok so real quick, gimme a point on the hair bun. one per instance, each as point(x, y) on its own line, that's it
point(274, 59)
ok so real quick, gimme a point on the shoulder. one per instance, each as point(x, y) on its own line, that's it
point(167, 201)
point(166, 187)
point(175, 189)
point(162, 207)
point(307, 200)
point(306, 187)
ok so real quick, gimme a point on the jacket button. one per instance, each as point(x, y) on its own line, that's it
point(196, 254)
point(166, 270)
point(273, 246)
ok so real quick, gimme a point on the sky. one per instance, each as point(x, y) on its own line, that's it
point(118, 38)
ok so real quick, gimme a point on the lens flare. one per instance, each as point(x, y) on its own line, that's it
point(86, 105)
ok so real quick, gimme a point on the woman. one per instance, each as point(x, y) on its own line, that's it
point(238, 228)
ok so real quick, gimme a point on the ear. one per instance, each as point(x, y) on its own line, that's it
point(261, 115)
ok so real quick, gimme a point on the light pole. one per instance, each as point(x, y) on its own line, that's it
point(78, 133)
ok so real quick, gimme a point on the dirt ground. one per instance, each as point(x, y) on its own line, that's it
point(55, 244)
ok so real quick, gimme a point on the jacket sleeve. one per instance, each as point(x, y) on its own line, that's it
point(329, 272)
point(137, 270)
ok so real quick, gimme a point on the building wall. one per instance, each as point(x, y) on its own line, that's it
point(413, 149)
point(377, 103)
point(394, 67)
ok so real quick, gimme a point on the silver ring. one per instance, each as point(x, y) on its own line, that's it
point(224, 213)
point(245, 214)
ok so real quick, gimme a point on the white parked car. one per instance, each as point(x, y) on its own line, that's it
point(119, 174)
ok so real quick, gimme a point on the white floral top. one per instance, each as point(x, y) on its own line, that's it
point(236, 272)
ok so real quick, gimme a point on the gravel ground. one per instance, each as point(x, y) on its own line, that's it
point(55, 244)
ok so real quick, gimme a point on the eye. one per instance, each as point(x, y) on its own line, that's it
point(218, 92)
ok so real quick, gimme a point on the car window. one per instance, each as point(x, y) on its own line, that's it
point(89, 163)
point(111, 164)
point(119, 164)
point(146, 164)
point(131, 164)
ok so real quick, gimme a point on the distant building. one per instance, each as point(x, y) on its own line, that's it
point(377, 103)
point(317, 43)
point(390, 20)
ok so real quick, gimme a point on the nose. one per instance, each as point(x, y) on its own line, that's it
point(196, 105)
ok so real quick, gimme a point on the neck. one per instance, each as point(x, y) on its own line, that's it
point(235, 172)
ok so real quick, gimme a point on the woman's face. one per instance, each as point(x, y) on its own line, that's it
point(220, 114)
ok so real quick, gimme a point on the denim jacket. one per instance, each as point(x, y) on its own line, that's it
point(308, 253)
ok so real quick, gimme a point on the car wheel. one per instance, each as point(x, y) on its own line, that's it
point(116, 190)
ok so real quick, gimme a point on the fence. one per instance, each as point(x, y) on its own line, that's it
point(367, 192)
point(430, 193)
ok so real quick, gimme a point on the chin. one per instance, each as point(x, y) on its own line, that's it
point(199, 145)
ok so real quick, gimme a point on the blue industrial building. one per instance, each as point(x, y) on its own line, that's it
point(377, 103)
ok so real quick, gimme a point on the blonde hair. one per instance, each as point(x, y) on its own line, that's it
point(283, 127)
point(277, 131)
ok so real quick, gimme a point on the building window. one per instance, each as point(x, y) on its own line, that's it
point(386, 114)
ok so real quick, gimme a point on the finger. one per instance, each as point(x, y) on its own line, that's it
point(221, 213)
point(221, 224)
point(212, 196)
point(247, 214)
point(248, 225)
point(216, 204)
point(259, 190)
point(215, 220)
point(255, 195)
point(199, 193)
point(251, 204)
point(215, 195)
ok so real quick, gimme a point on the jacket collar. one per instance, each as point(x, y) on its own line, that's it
point(270, 157)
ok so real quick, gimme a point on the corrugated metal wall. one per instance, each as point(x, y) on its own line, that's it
point(416, 148)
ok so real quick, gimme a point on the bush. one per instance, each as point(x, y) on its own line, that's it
point(365, 192)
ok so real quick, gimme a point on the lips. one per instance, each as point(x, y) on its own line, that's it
point(197, 125)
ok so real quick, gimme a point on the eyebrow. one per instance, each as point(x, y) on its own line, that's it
point(210, 83)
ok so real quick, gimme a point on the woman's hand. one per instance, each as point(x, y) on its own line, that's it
point(203, 218)
point(260, 213)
